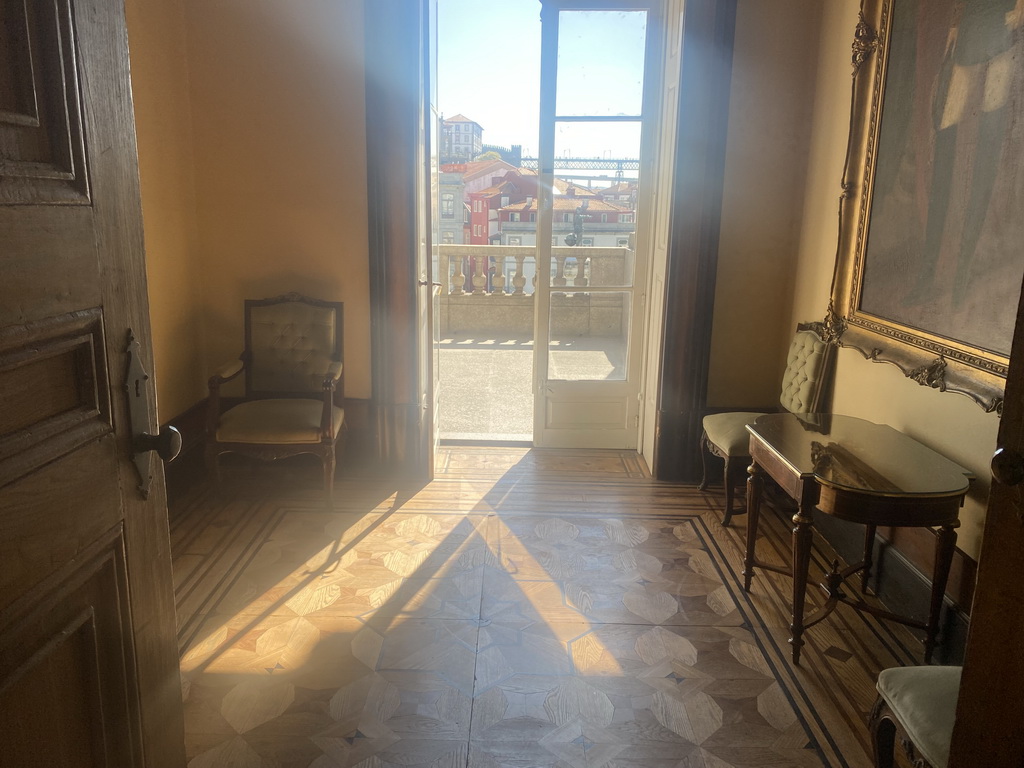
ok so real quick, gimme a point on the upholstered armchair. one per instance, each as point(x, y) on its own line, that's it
point(916, 708)
point(294, 385)
point(725, 435)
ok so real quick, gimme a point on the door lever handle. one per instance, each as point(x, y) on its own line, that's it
point(428, 282)
point(1008, 466)
point(167, 443)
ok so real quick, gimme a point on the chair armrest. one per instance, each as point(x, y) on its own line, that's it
point(227, 372)
point(333, 375)
point(330, 385)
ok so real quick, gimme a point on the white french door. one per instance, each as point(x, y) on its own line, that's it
point(427, 240)
point(599, 98)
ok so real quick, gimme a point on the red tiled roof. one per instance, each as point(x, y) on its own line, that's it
point(562, 187)
point(622, 188)
point(498, 189)
point(460, 118)
point(570, 204)
point(478, 168)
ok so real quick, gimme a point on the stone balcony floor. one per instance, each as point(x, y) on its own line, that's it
point(487, 381)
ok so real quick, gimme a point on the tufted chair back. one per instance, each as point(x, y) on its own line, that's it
point(290, 342)
point(806, 368)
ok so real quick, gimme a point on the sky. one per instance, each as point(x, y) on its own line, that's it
point(489, 71)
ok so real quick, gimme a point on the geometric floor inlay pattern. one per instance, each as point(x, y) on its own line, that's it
point(401, 633)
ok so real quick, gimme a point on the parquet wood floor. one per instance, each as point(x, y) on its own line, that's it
point(527, 608)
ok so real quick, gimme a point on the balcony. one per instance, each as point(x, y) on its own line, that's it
point(485, 314)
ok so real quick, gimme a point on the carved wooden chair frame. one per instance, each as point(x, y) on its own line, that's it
point(332, 389)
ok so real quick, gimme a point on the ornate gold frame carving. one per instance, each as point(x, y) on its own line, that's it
point(931, 360)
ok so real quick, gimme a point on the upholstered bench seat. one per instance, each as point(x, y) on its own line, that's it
point(280, 421)
point(920, 701)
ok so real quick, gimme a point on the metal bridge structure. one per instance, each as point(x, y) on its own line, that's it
point(624, 167)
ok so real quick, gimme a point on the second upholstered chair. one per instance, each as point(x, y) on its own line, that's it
point(916, 708)
point(294, 385)
point(725, 435)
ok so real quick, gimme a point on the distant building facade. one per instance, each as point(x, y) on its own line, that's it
point(461, 139)
point(605, 224)
point(454, 212)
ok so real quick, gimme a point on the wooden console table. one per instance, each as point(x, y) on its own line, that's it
point(861, 472)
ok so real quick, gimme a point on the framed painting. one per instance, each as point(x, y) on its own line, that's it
point(931, 240)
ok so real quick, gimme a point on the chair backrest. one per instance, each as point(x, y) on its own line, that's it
point(290, 341)
point(807, 370)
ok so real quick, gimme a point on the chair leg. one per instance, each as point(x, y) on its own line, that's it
point(729, 492)
point(329, 466)
point(883, 735)
point(212, 461)
point(703, 448)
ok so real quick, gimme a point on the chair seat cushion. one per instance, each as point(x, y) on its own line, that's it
point(923, 699)
point(728, 431)
point(280, 421)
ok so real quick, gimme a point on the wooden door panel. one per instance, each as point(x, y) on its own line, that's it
point(88, 662)
point(49, 517)
point(54, 392)
point(66, 698)
point(42, 150)
point(48, 270)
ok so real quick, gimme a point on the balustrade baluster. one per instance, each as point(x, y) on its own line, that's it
point(459, 278)
point(479, 276)
point(519, 279)
point(559, 278)
point(580, 281)
point(498, 279)
point(444, 276)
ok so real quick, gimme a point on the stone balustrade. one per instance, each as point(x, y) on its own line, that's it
point(489, 289)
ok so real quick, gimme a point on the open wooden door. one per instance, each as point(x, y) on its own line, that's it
point(88, 664)
point(988, 728)
point(428, 238)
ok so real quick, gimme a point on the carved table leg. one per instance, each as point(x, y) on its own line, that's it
point(755, 482)
point(945, 544)
point(803, 532)
point(869, 557)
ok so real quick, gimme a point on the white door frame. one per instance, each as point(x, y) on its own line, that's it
point(607, 414)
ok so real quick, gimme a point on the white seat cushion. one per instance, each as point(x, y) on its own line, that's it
point(728, 431)
point(923, 699)
point(282, 421)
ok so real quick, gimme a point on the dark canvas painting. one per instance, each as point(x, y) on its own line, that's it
point(945, 247)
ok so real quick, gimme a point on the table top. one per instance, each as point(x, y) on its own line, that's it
point(857, 455)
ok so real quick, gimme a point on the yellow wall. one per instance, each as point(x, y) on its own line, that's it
point(250, 119)
point(278, 112)
point(766, 167)
point(951, 424)
point(164, 127)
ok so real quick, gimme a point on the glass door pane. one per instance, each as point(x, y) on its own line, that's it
point(589, 266)
point(601, 62)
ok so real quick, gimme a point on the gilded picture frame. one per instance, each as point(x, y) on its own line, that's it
point(931, 249)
